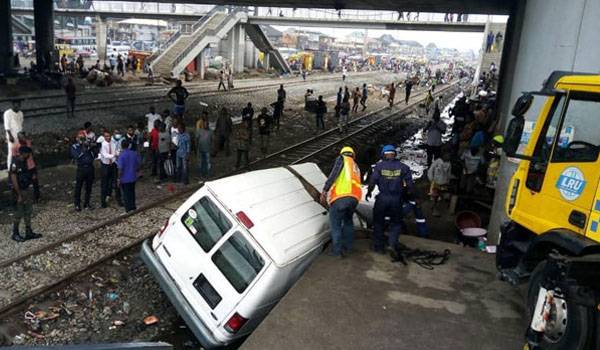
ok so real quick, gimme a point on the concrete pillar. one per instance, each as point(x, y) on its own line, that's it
point(533, 56)
point(6, 40)
point(101, 38)
point(267, 62)
point(250, 54)
point(239, 46)
point(201, 63)
point(231, 48)
point(43, 13)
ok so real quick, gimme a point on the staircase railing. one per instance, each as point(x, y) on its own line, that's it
point(199, 26)
point(164, 46)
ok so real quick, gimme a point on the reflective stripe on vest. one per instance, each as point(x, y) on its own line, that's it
point(347, 183)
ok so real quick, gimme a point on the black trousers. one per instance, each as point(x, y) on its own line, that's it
point(241, 154)
point(407, 95)
point(155, 156)
point(70, 107)
point(320, 122)
point(108, 182)
point(433, 152)
point(162, 158)
point(129, 196)
point(84, 177)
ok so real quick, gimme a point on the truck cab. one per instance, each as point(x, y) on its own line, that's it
point(553, 203)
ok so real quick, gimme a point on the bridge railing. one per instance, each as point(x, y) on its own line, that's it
point(372, 15)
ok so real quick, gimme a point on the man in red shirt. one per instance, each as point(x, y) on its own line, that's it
point(154, 146)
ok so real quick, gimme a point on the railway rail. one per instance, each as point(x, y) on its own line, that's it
point(123, 97)
point(44, 269)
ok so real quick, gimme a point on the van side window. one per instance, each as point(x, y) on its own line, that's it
point(579, 140)
point(206, 223)
point(238, 261)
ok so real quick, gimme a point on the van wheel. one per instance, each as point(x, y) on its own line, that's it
point(572, 326)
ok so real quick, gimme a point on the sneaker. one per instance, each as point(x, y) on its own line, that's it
point(88, 207)
point(17, 238)
point(77, 208)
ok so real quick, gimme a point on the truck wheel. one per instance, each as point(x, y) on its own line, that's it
point(571, 328)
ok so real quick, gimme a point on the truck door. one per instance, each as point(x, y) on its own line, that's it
point(564, 175)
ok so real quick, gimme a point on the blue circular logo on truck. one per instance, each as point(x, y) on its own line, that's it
point(571, 183)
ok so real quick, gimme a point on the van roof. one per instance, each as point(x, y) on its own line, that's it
point(287, 220)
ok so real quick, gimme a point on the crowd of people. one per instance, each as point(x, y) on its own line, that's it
point(163, 145)
point(468, 161)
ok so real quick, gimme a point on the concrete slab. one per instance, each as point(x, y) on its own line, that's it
point(366, 302)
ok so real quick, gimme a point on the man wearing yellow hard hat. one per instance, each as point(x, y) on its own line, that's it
point(343, 191)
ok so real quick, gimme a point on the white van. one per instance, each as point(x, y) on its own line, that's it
point(235, 247)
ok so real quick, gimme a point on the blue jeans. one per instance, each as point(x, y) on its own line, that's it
point(204, 160)
point(179, 109)
point(182, 170)
point(420, 220)
point(386, 206)
point(340, 218)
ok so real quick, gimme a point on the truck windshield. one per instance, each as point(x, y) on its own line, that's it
point(238, 261)
point(579, 139)
point(206, 223)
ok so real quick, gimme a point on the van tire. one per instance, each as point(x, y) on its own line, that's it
point(580, 325)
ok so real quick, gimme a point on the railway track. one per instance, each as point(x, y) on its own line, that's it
point(125, 97)
point(51, 266)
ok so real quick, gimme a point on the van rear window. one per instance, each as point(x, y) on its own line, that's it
point(238, 261)
point(206, 223)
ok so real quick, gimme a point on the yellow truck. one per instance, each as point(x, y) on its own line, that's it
point(553, 236)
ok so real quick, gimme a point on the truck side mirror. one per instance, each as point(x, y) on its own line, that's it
point(512, 137)
point(522, 105)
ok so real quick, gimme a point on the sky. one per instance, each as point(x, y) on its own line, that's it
point(460, 41)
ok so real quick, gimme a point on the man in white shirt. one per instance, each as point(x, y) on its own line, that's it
point(108, 170)
point(13, 124)
point(152, 117)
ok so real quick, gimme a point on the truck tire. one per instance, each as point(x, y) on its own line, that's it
point(578, 333)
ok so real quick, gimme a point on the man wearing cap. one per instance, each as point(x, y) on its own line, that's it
point(21, 180)
point(343, 187)
point(392, 178)
point(13, 124)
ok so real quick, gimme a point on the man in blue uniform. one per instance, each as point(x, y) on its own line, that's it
point(393, 179)
point(84, 153)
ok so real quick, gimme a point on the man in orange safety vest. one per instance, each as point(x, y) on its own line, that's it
point(343, 191)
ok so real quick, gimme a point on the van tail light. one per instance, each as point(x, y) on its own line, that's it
point(235, 323)
point(163, 229)
point(244, 219)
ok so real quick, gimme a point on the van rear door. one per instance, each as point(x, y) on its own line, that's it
point(210, 260)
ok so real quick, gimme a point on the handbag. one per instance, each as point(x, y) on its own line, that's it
point(169, 168)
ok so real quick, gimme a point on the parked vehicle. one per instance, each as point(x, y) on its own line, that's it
point(553, 201)
point(235, 247)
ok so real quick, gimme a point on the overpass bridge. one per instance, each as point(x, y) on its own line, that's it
point(293, 21)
